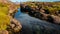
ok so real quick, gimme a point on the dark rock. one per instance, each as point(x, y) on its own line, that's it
point(50, 19)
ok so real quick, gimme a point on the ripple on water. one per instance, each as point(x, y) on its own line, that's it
point(32, 23)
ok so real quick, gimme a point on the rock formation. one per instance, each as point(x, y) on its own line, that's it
point(42, 11)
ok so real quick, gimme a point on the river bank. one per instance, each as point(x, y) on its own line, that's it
point(47, 11)
point(8, 24)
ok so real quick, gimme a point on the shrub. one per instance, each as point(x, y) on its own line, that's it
point(4, 10)
point(4, 18)
point(4, 21)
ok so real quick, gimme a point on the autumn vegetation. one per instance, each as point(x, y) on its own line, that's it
point(4, 18)
point(7, 9)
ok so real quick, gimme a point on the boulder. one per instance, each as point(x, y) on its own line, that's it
point(56, 19)
point(4, 32)
point(15, 26)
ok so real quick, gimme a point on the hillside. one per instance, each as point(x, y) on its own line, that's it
point(7, 10)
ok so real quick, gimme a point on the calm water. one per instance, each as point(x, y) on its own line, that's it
point(30, 23)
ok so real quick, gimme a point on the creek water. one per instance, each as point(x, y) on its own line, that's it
point(31, 25)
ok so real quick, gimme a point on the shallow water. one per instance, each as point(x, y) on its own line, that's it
point(31, 24)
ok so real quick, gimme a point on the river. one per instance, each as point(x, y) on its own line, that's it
point(31, 25)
